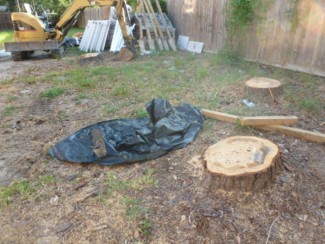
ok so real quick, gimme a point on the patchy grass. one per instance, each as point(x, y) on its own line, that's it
point(310, 104)
point(45, 180)
point(116, 184)
point(23, 189)
point(140, 113)
point(197, 79)
point(9, 110)
point(145, 227)
point(134, 208)
point(52, 92)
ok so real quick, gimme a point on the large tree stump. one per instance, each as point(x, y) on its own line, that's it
point(242, 163)
point(264, 86)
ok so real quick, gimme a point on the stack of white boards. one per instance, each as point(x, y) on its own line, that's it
point(96, 34)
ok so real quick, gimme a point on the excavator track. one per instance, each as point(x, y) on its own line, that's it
point(18, 56)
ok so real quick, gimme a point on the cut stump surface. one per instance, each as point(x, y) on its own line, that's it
point(242, 163)
point(90, 57)
point(264, 86)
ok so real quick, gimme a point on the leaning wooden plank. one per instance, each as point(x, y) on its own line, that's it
point(269, 120)
point(295, 132)
point(220, 116)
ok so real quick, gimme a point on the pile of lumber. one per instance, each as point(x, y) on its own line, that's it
point(156, 30)
point(269, 123)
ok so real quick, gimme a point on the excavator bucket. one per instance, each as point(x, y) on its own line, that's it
point(125, 54)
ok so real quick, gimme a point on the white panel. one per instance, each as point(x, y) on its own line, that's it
point(95, 36)
point(182, 42)
point(195, 47)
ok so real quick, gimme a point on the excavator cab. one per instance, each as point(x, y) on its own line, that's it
point(28, 27)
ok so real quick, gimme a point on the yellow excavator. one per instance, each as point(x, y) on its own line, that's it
point(31, 34)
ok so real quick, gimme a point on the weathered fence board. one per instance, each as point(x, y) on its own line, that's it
point(276, 39)
point(5, 21)
point(99, 13)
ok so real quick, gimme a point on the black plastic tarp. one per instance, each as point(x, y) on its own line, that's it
point(132, 140)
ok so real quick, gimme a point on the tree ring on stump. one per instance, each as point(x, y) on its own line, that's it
point(242, 163)
point(264, 86)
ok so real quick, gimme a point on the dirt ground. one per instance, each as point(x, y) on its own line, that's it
point(177, 208)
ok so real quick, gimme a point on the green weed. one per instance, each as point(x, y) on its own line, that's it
point(31, 80)
point(86, 84)
point(309, 104)
point(81, 97)
point(201, 72)
point(140, 113)
point(121, 90)
point(109, 109)
point(208, 98)
point(45, 180)
point(9, 110)
point(179, 62)
point(145, 227)
point(52, 92)
point(101, 71)
point(114, 184)
point(22, 189)
point(146, 180)
point(134, 208)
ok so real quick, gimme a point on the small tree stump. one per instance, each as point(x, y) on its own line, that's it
point(264, 86)
point(242, 163)
point(125, 55)
point(90, 57)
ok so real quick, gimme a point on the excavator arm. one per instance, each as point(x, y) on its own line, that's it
point(68, 17)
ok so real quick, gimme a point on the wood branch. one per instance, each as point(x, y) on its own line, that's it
point(242, 163)
point(295, 132)
point(257, 120)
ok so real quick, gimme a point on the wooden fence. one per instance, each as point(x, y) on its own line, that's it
point(290, 35)
point(101, 13)
point(5, 21)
